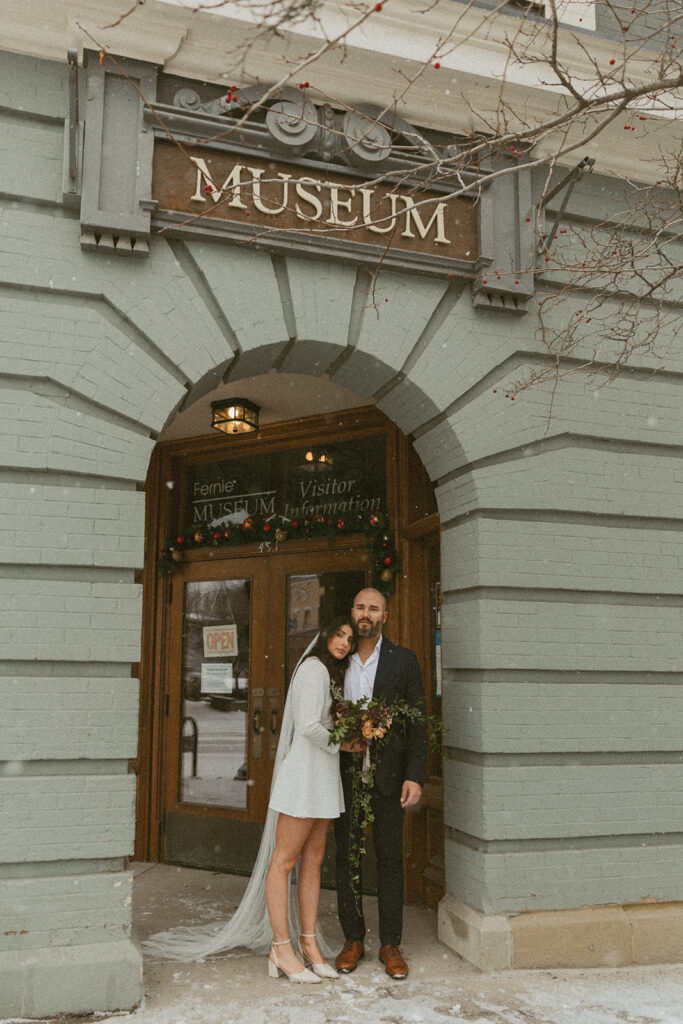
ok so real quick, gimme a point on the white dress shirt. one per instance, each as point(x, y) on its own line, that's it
point(359, 679)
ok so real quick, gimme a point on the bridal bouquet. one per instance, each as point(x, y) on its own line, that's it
point(368, 722)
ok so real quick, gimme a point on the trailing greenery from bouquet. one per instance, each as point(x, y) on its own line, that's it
point(274, 530)
point(369, 721)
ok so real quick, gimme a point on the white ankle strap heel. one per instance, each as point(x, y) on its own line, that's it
point(303, 976)
point(322, 970)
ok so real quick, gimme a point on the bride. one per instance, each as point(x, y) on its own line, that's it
point(305, 794)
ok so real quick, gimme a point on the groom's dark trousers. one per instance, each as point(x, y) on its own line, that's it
point(387, 837)
point(404, 756)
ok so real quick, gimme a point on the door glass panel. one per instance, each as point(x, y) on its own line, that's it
point(215, 681)
point(312, 600)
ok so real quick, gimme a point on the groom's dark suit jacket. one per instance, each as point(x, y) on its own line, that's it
point(405, 754)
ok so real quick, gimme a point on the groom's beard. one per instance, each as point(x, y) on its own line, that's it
point(366, 629)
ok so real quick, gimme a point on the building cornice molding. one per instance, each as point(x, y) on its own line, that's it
point(458, 98)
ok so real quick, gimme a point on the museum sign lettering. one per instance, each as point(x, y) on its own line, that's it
point(334, 481)
point(278, 196)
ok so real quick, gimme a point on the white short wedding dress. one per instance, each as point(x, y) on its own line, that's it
point(306, 783)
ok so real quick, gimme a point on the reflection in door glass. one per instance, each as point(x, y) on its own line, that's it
point(215, 680)
point(313, 600)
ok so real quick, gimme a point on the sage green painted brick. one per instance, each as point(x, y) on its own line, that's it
point(510, 882)
point(491, 552)
point(33, 87)
point(544, 717)
point(67, 817)
point(50, 431)
point(68, 620)
point(76, 344)
point(38, 174)
point(243, 283)
point(560, 801)
point(102, 976)
point(62, 717)
point(560, 634)
point(628, 410)
point(322, 296)
point(396, 311)
point(155, 296)
point(83, 909)
point(572, 479)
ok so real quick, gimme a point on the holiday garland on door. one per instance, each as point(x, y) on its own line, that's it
point(274, 530)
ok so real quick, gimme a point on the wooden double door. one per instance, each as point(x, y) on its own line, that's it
point(236, 628)
point(221, 638)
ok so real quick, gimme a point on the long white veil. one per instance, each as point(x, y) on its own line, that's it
point(249, 926)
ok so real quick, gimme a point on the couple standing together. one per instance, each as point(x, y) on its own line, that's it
point(312, 783)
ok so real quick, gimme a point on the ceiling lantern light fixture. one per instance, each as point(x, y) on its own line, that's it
point(318, 460)
point(234, 415)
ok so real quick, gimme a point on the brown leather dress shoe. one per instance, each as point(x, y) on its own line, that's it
point(351, 953)
point(394, 964)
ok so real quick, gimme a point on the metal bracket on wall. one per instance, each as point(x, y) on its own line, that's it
point(567, 183)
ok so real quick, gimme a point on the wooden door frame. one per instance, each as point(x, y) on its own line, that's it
point(409, 499)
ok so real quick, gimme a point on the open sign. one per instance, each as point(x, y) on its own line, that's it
point(220, 641)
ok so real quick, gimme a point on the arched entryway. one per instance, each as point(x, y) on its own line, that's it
point(224, 628)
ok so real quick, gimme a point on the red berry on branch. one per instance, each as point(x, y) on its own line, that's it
point(266, 527)
point(612, 61)
point(437, 64)
point(495, 391)
point(484, 281)
point(208, 189)
point(528, 219)
point(378, 7)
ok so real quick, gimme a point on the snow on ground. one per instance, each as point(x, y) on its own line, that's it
point(441, 988)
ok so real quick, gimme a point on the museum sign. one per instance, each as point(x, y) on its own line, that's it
point(271, 196)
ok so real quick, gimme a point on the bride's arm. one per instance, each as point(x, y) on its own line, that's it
point(310, 693)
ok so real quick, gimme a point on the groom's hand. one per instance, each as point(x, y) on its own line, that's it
point(411, 793)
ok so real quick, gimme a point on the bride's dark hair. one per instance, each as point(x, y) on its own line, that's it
point(334, 666)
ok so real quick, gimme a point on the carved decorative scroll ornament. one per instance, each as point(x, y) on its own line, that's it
point(364, 137)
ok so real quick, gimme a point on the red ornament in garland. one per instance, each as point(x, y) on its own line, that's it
point(374, 526)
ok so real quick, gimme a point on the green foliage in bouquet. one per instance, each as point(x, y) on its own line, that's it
point(369, 721)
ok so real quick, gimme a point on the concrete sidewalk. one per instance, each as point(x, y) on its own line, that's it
point(441, 987)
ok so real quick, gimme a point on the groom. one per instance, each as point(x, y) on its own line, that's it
point(380, 669)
